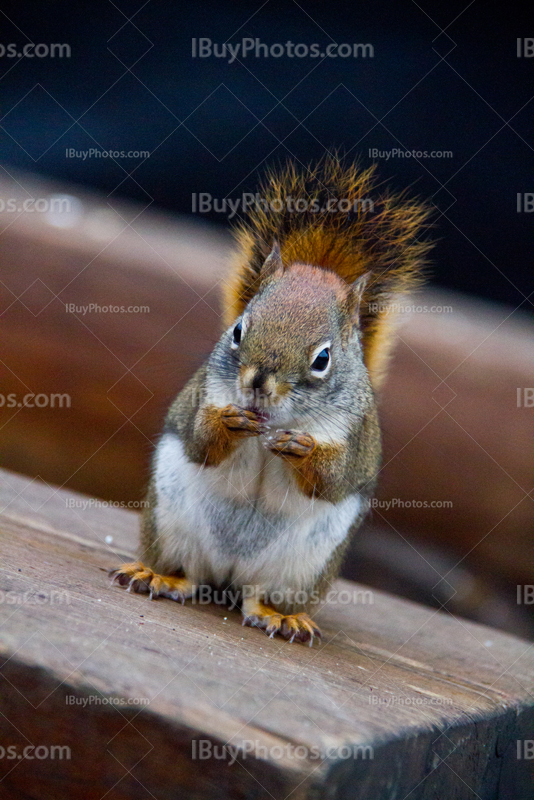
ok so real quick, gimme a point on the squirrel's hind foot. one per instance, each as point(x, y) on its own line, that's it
point(139, 578)
point(295, 627)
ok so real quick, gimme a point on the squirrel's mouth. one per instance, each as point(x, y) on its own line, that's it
point(261, 413)
point(264, 406)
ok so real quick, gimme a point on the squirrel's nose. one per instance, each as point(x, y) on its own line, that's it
point(258, 380)
point(263, 383)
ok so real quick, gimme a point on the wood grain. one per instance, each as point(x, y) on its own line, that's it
point(441, 702)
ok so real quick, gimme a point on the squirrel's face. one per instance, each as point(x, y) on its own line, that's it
point(292, 346)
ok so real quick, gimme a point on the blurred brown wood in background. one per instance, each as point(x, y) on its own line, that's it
point(453, 430)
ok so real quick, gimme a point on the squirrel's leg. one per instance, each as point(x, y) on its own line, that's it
point(295, 627)
point(139, 578)
point(317, 467)
point(332, 470)
point(158, 580)
point(217, 432)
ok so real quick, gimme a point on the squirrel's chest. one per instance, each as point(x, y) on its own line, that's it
point(247, 514)
point(252, 486)
point(254, 475)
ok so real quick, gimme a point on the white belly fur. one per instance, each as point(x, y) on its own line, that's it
point(240, 522)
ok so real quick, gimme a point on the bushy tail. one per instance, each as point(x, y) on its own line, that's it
point(331, 216)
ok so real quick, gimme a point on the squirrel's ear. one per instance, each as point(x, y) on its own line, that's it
point(356, 295)
point(273, 265)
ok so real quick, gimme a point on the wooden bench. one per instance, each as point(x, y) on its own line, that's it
point(399, 701)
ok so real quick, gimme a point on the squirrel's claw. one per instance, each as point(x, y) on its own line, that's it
point(294, 627)
point(242, 422)
point(291, 444)
point(138, 578)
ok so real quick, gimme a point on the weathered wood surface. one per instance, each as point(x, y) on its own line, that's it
point(441, 702)
point(452, 428)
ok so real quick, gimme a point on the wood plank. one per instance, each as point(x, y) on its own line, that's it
point(120, 370)
point(453, 431)
point(441, 702)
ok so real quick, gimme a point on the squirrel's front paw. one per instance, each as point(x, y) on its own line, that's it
point(291, 444)
point(241, 422)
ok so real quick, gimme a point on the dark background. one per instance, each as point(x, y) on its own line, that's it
point(211, 126)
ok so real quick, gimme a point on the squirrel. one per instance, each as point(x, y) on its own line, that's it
point(269, 456)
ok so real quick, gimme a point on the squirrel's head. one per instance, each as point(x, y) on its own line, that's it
point(295, 345)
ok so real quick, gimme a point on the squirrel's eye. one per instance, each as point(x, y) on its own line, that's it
point(237, 336)
point(321, 361)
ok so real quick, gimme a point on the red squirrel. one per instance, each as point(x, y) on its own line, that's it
point(269, 455)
